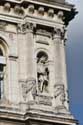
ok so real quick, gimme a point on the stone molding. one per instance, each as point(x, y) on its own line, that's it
point(35, 118)
point(34, 10)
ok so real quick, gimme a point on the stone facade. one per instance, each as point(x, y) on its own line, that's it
point(33, 81)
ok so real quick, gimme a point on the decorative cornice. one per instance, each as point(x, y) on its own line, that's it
point(21, 8)
point(56, 3)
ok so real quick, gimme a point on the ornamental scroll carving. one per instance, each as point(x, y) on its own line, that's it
point(59, 95)
point(29, 90)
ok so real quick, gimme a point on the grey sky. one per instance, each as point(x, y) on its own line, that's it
point(74, 47)
point(74, 53)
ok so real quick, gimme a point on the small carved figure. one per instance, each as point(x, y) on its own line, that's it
point(42, 74)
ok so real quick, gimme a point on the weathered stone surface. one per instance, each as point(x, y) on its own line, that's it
point(33, 81)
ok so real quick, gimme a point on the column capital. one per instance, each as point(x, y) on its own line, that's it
point(58, 33)
point(25, 27)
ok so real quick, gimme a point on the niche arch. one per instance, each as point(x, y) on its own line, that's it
point(42, 71)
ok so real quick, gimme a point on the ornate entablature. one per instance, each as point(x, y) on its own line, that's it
point(18, 9)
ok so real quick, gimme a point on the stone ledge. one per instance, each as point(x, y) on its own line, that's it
point(37, 118)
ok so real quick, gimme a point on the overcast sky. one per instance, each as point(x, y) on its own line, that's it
point(74, 47)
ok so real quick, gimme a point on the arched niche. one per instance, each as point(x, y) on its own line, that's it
point(42, 72)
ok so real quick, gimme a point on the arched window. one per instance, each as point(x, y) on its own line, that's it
point(2, 65)
point(42, 72)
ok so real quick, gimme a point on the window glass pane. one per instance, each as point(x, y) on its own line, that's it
point(2, 63)
point(1, 53)
point(1, 89)
point(1, 68)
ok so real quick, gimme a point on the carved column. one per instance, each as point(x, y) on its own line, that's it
point(26, 62)
point(22, 52)
point(60, 87)
point(26, 50)
point(30, 50)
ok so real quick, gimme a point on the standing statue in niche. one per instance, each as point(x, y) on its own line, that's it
point(42, 73)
